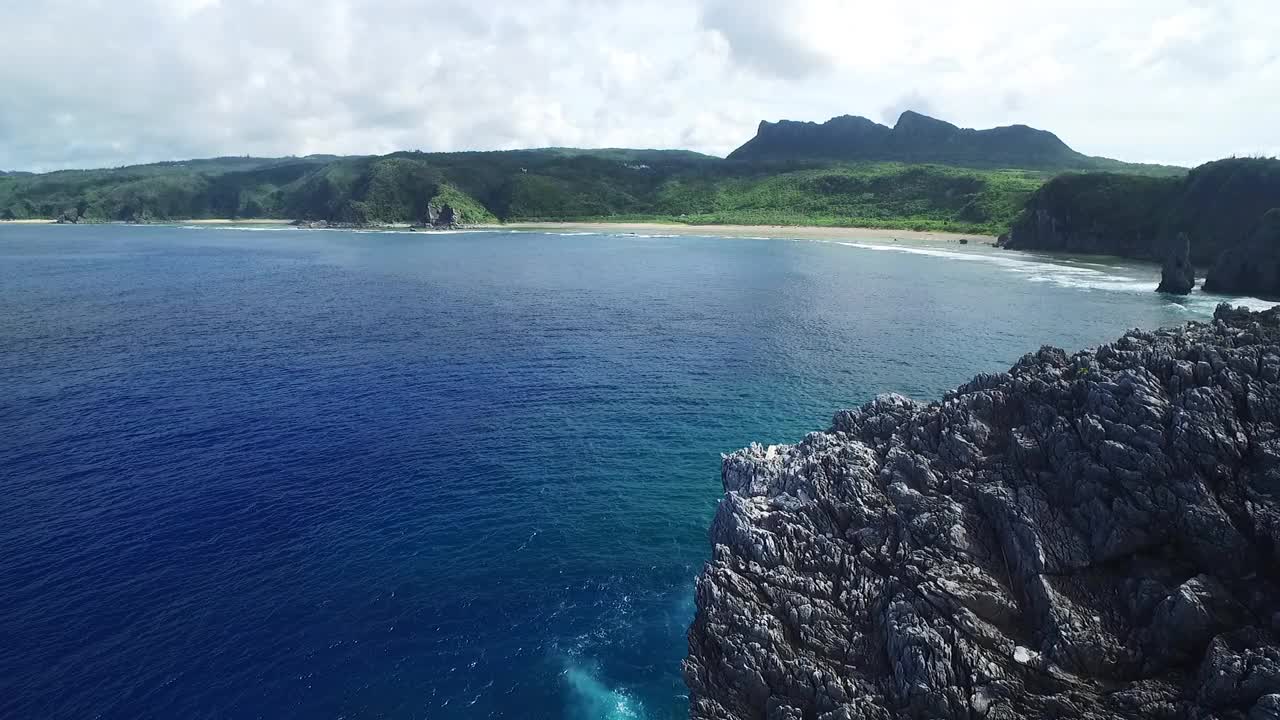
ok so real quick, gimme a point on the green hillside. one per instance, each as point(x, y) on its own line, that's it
point(889, 195)
point(530, 185)
point(922, 174)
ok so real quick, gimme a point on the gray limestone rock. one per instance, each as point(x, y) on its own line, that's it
point(1085, 536)
point(443, 216)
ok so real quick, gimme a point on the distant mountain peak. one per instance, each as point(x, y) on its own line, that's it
point(915, 137)
point(911, 118)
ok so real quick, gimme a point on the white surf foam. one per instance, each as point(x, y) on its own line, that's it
point(256, 228)
point(1072, 274)
point(591, 699)
point(1076, 274)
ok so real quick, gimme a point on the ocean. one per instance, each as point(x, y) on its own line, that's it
point(273, 473)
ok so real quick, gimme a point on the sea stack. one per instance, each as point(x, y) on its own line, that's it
point(1084, 536)
point(1177, 276)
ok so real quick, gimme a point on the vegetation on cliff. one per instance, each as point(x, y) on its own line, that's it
point(1100, 213)
point(1253, 267)
point(1218, 206)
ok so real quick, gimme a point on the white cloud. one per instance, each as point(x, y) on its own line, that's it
point(106, 83)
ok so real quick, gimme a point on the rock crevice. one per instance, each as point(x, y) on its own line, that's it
point(1094, 535)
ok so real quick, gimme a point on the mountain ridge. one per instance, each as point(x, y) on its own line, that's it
point(917, 137)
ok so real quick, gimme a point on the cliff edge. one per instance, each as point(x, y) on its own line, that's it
point(1220, 206)
point(1084, 536)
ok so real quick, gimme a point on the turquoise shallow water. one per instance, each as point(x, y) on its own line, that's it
point(277, 473)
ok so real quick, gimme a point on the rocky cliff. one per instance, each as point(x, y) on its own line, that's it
point(1217, 205)
point(1098, 213)
point(1084, 536)
point(1252, 267)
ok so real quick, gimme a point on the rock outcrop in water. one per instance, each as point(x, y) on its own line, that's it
point(1086, 536)
point(1177, 275)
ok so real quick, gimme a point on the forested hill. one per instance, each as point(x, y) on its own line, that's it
point(978, 186)
point(549, 184)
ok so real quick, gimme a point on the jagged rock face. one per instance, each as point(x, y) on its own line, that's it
point(446, 217)
point(443, 216)
point(1091, 536)
point(1177, 275)
point(1252, 268)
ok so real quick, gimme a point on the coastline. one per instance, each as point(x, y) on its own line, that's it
point(203, 221)
point(799, 232)
point(230, 221)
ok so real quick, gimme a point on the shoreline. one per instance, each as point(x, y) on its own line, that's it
point(798, 232)
point(230, 221)
point(203, 221)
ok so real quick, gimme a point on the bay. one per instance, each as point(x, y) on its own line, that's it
point(264, 472)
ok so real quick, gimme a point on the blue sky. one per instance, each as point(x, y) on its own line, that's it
point(95, 83)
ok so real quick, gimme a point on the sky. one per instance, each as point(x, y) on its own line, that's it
point(91, 83)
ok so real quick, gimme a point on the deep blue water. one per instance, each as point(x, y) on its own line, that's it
point(332, 474)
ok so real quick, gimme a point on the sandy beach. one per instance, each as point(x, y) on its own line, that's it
point(800, 232)
point(804, 232)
